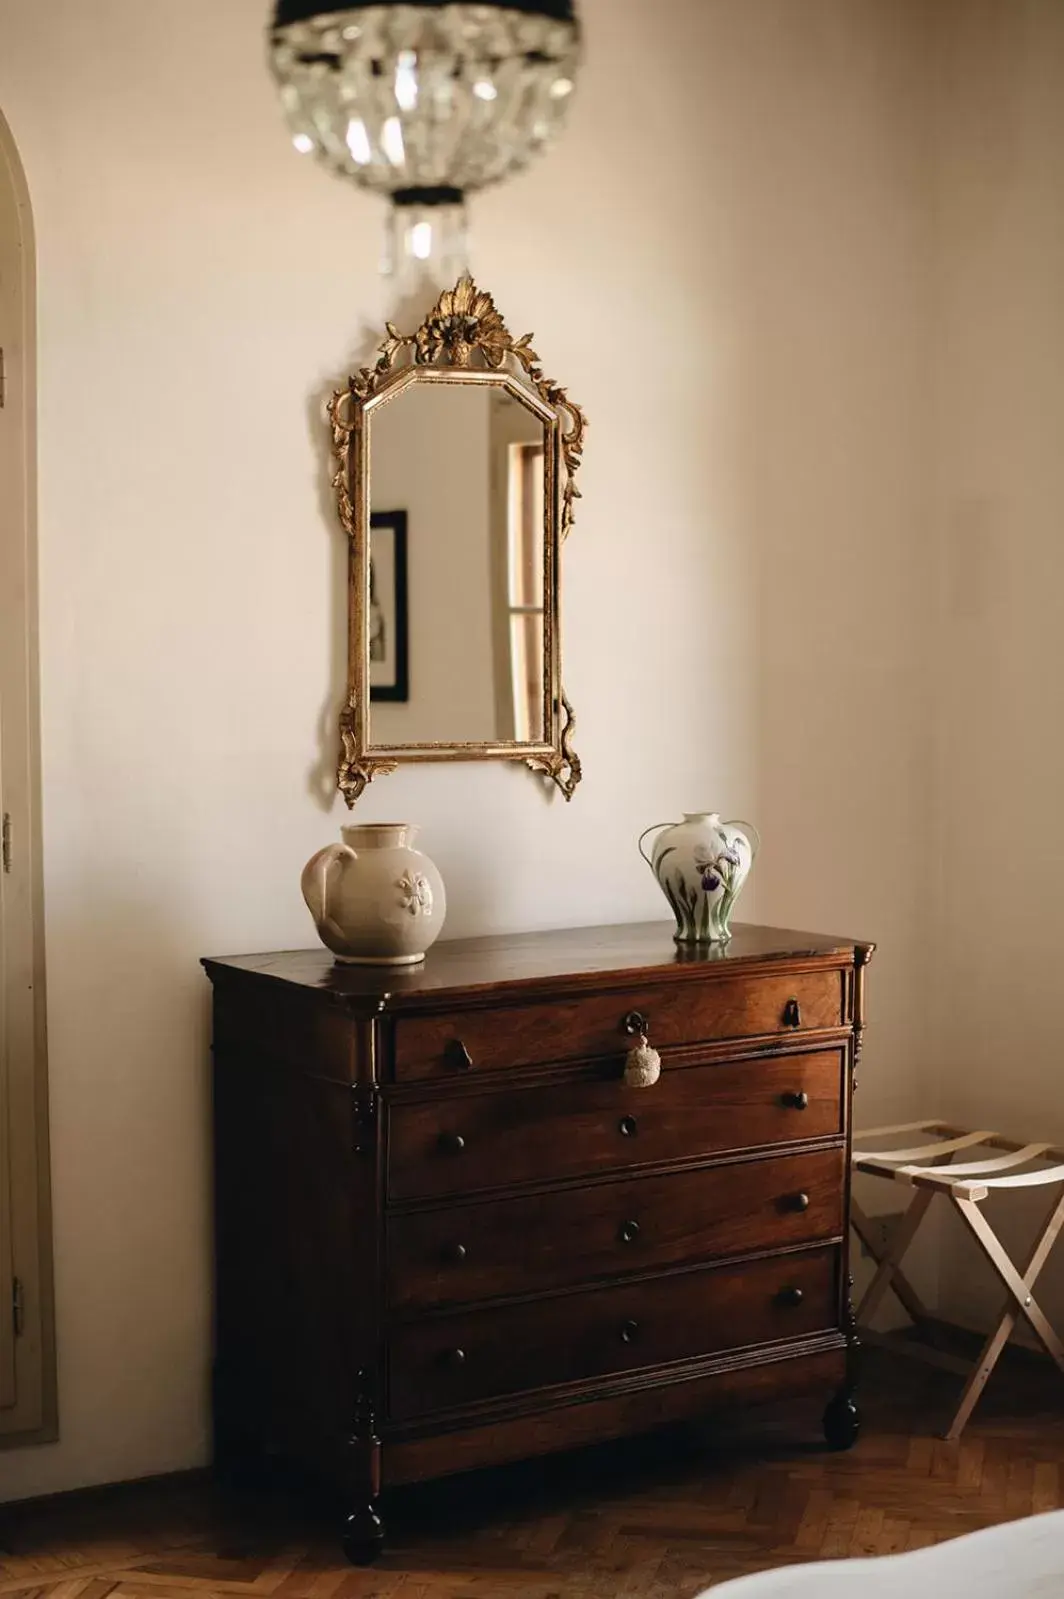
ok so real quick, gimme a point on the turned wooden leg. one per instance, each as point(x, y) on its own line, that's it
point(363, 1537)
point(842, 1420)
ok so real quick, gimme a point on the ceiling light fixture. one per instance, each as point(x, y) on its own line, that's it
point(425, 101)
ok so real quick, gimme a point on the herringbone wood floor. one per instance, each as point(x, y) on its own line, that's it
point(654, 1521)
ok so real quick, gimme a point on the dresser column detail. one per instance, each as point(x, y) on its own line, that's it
point(363, 1531)
point(842, 1418)
point(862, 954)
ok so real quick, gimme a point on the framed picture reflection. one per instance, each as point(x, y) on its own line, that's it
point(389, 676)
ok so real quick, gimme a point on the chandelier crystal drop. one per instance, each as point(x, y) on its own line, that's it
point(425, 102)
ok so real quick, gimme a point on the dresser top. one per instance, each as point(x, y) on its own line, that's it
point(577, 957)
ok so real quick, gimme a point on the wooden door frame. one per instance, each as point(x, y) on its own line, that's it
point(33, 1418)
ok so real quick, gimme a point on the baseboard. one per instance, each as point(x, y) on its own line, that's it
point(101, 1492)
point(969, 1340)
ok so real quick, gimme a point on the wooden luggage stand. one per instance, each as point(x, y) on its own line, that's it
point(927, 1167)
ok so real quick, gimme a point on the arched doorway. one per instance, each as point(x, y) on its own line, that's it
point(27, 1364)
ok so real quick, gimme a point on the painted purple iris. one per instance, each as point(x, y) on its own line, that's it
point(710, 882)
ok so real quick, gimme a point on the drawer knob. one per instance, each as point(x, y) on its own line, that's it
point(452, 1143)
point(457, 1055)
point(628, 1126)
point(629, 1232)
point(796, 1202)
point(792, 1014)
point(635, 1023)
point(629, 1332)
point(795, 1101)
point(454, 1357)
point(457, 1253)
point(791, 1297)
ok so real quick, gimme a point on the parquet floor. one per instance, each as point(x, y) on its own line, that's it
point(655, 1521)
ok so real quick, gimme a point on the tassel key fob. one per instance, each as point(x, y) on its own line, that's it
point(642, 1066)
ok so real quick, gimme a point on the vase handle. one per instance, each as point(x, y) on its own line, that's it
point(315, 885)
point(753, 837)
point(656, 828)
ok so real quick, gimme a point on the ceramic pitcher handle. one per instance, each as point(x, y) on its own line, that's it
point(655, 829)
point(753, 837)
point(315, 885)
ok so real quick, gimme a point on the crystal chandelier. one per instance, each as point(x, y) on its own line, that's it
point(425, 101)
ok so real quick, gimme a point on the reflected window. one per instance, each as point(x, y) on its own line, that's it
point(525, 588)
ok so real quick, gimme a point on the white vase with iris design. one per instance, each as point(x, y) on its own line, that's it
point(701, 864)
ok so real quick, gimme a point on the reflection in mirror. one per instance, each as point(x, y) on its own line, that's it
point(456, 461)
point(457, 634)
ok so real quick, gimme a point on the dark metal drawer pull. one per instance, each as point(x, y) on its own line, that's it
point(627, 1126)
point(792, 1014)
point(795, 1201)
point(456, 1054)
point(629, 1232)
point(790, 1297)
point(629, 1331)
point(795, 1101)
point(457, 1253)
point(453, 1143)
point(453, 1357)
point(635, 1023)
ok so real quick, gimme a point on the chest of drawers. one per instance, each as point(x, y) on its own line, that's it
point(449, 1234)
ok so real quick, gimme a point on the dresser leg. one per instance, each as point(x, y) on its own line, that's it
point(842, 1420)
point(363, 1537)
point(364, 1530)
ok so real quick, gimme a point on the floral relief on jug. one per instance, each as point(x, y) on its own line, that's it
point(375, 899)
point(701, 865)
point(415, 893)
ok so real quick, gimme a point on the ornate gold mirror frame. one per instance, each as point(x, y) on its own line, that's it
point(462, 340)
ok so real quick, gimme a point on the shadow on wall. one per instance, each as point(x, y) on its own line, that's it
point(321, 776)
point(833, 414)
point(825, 271)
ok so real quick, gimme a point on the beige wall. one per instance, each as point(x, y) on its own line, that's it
point(726, 265)
point(998, 576)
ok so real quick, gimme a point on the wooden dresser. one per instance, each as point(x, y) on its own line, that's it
point(448, 1233)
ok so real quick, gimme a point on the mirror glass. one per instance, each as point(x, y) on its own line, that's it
point(457, 642)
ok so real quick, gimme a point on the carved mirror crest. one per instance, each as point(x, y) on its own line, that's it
point(455, 482)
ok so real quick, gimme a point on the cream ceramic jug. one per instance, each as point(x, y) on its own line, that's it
point(375, 900)
point(701, 864)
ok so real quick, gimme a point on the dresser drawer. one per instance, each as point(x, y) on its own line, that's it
point(677, 1013)
point(559, 1240)
point(455, 1360)
point(468, 1142)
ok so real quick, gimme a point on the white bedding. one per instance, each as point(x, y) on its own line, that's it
point(1018, 1560)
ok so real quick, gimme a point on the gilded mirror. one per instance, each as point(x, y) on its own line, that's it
point(455, 479)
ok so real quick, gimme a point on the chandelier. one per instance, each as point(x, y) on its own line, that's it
point(425, 101)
